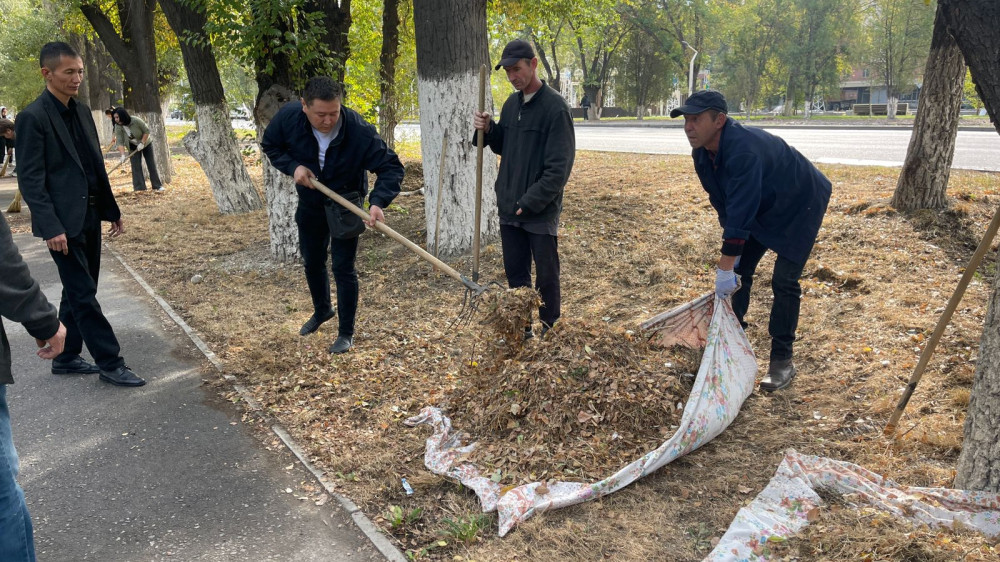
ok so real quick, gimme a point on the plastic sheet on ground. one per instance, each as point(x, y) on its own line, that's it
point(783, 507)
point(725, 380)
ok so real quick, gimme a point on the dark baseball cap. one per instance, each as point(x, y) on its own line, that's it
point(701, 101)
point(514, 51)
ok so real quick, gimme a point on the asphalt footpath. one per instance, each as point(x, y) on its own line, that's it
point(167, 471)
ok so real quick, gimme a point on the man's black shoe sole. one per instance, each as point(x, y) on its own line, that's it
point(61, 371)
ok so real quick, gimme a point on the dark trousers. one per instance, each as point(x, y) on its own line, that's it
point(79, 310)
point(314, 242)
point(787, 297)
point(138, 181)
point(519, 247)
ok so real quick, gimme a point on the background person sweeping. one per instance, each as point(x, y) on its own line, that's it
point(768, 196)
point(133, 134)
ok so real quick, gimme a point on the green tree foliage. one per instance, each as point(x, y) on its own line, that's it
point(755, 34)
point(825, 33)
point(362, 75)
point(26, 27)
point(969, 93)
point(271, 36)
point(644, 72)
point(672, 22)
point(900, 32)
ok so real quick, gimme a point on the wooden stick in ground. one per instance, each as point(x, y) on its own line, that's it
point(384, 229)
point(480, 141)
point(122, 161)
point(925, 357)
point(437, 208)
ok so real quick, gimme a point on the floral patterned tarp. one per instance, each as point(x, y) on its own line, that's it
point(725, 379)
point(784, 507)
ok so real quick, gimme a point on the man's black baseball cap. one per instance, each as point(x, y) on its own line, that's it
point(701, 101)
point(514, 51)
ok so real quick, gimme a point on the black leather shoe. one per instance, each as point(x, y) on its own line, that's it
point(342, 345)
point(779, 375)
point(314, 323)
point(122, 376)
point(77, 366)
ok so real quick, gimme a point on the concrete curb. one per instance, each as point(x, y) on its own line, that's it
point(379, 540)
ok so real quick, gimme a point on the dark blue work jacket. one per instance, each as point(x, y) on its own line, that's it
point(762, 187)
point(289, 143)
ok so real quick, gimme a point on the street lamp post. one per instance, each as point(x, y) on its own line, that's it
point(691, 68)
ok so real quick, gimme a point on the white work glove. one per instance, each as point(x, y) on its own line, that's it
point(726, 283)
point(139, 146)
point(123, 158)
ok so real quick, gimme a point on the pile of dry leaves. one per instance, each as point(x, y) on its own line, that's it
point(578, 403)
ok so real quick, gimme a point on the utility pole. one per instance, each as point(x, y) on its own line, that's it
point(691, 68)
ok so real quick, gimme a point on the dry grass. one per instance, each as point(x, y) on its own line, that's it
point(638, 237)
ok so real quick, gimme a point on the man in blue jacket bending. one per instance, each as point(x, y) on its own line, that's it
point(768, 196)
point(318, 138)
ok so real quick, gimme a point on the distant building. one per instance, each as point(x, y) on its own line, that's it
point(860, 87)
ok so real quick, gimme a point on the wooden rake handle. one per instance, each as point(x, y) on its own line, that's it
point(956, 297)
point(384, 229)
point(122, 161)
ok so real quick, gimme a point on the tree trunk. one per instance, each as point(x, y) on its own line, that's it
point(979, 463)
point(924, 179)
point(892, 102)
point(279, 189)
point(274, 89)
point(336, 22)
point(134, 51)
point(282, 199)
point(451, 47)
point(594, 92)
point(213, 145)
point(975, 25)
point(387, 115)
point(105, 86)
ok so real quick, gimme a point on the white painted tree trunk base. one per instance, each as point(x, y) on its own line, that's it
point(447, 105)
point(282, 200)
point(214, 146)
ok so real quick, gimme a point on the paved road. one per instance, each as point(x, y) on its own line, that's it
point(975, 150)
point(165, 471)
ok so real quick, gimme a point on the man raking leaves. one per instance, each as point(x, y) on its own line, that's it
point(317, 139)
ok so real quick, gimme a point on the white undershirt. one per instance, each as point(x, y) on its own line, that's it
point(324, 140)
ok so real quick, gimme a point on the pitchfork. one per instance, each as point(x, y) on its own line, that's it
point(473, 290)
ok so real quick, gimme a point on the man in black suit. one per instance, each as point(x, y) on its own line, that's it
point(62, 178)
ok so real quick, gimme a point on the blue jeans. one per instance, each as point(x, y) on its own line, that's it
point(17, 540)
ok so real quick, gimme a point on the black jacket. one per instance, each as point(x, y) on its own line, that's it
point(21, 300)
point(762, 187)
point(50, 174)
point(537, 146)
point(289, 143)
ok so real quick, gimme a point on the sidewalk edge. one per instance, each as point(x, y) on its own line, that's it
point(363, 523)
